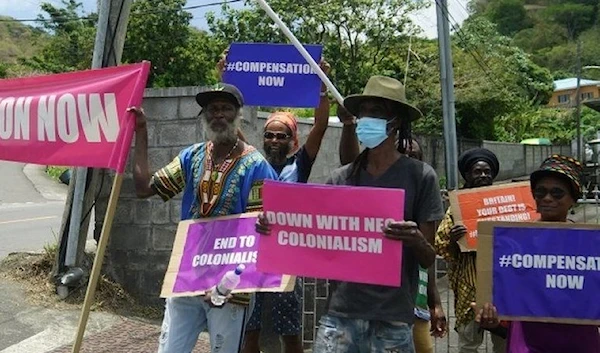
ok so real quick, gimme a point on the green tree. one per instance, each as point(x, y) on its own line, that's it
point(493, 78)
point(71, 44)
point(509, 16)
point(576, 18)
point(159, 31)
point(542, 35)
point(3, 70)
point(358, 35)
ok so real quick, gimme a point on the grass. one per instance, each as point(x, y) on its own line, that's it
point(34, 270)
point(55, 172)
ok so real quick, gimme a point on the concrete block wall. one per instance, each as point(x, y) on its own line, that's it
point(512, 156)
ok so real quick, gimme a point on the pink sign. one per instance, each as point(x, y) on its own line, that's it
point(71, 119)
point(331, 232)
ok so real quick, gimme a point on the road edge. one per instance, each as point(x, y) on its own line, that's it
point(50, 189)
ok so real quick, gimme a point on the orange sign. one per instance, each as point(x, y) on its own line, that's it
point(505, 203)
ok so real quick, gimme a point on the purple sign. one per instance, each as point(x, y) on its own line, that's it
point(546, 272)
point(273, 75)
point(213, 248)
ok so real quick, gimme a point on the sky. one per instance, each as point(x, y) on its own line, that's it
point(29, 9)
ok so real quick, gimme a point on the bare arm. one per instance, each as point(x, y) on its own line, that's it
point(349, 147)
point(141, 167)
point(426, 253)
point(416, 237)
point(433, 295)
point(315, 137)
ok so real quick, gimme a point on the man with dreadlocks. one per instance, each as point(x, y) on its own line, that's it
point(370, 318)
point(430, 319)
point(478, 167)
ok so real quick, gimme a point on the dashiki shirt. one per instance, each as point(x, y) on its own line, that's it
point(462, 273)
point(233, 188)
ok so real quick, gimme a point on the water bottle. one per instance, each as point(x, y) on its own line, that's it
point(229, 282)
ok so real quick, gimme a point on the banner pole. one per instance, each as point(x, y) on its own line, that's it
point(98, 259)
point(336, 94)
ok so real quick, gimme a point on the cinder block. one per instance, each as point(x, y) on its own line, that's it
point(163, 237)
point(188, 108)
point(175, 211)
point(128, 187)
point(159, 157)
point(130, 237)
point(124, 212)
point(159, 109)
point(160, 212)
point(177, 134)
point(143, 211)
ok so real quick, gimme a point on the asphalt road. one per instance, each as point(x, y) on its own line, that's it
point(28, 221)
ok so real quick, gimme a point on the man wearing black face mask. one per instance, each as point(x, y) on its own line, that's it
point(478, 167)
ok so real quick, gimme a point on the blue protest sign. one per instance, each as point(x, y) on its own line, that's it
point(542, 272)
point(273, 75)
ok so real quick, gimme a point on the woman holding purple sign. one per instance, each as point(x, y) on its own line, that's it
point(556, 186)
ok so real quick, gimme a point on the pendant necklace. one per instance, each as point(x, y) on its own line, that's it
point(215, 172)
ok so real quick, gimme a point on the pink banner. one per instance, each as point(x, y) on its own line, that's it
point(72, 119)
point(331, 232)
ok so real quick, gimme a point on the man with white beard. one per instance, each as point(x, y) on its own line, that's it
point(218, 177)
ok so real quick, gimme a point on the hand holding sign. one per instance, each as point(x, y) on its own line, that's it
point(487, 316)
point(140, 118)
point(325, 67)
point(456, 232)
point(406, 231)
point(262, 225)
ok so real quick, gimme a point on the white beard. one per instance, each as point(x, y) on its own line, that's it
point(228, 135)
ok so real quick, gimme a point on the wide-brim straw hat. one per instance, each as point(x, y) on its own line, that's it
point(386, 88)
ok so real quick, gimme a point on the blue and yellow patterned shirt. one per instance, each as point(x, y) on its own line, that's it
point(233, 187)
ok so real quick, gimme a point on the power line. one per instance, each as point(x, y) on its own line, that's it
point(463, 7)
point(87, 18)
point(471, 51)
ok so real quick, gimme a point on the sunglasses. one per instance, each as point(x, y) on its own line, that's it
point(556, 193)
point(278, 135)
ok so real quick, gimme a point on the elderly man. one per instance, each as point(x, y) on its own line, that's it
point(478, 167)
point(219, 177)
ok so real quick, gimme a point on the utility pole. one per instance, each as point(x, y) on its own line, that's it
point(113, 16)
point(447, 86)
point(578, 102)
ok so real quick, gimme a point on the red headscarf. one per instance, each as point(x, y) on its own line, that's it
point(288, 119)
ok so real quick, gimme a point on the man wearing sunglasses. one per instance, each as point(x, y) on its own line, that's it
point(292, 163)
point(478, 167)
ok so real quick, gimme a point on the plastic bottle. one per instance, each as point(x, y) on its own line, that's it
point(229, 282)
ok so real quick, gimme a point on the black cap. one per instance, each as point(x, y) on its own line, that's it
point(222, 91)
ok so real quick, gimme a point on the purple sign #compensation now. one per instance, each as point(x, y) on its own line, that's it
point(546, 272)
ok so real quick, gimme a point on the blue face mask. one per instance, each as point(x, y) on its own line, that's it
point(371, 131)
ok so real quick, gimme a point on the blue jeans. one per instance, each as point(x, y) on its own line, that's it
point(341, 335)
point(186, 317)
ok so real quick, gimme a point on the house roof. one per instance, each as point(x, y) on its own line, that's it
point(571, 83)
